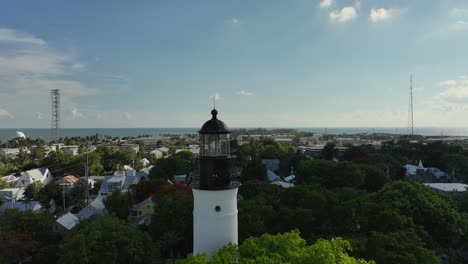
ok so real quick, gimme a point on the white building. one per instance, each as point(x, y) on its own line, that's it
point(71, 150)
point(158, 153)
point(448, 188)
point(214, 191)
point(12, 194)
point(10, 153)
point(36, 175)
point(34, 206)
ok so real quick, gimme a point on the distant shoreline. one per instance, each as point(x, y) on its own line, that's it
point(9, 133)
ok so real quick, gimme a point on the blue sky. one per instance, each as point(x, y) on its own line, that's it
point(327, 63)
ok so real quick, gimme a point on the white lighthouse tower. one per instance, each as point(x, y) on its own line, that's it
point(214, 190)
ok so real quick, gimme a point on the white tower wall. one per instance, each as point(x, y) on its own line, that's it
point(212, 229)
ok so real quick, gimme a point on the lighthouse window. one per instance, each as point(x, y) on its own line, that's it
point(215, 145)
point(218, 208)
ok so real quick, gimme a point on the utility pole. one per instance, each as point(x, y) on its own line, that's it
point(86, 173)
point(55, 113)
point(63, 192)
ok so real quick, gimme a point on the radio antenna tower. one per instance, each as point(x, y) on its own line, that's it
point(411, 113)
point(55, 124)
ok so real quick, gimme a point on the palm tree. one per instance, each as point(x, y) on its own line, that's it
point(169, 240)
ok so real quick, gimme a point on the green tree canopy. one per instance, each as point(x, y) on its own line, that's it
point(107, 240)
point(118, 204)
point(287, 248)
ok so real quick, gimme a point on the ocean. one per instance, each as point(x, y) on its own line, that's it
point(44, 133)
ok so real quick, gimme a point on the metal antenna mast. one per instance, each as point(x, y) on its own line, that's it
point(412, 112)
point(55, 124)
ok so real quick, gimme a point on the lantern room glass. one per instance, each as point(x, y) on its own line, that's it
point(214, 145)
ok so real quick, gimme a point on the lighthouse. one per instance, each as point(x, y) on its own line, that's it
point(214, 190)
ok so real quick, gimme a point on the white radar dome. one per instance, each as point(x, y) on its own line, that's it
point(20, 134)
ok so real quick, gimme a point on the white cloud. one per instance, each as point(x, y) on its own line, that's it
point(455, 92)
point(326, 3)
point(11, 36)
point(5, 114)
point(29, 69)
point(76, 114)
point(216, 97)
point(344, 15)
point(244, 93)
point(447, 83)
point(235, 21)
point(39, 115)
point(381, 14)
point(78, 66)
point(127, 115)
point(99, 116)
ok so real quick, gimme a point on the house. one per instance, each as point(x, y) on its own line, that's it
point(145, 162)
point(10, 194)
point(10, 179)
point(71, 150)
point(283, 184)
point(120, 181)
point(65, 223)
point(180, 178)
point(272, 176)
point(68, 180)
point(448, 188)
point(284, 141)
point(34, 206)
point(10, 153)
point(271, 164)
point(96, 207)
point(421, 174)
point(164, 150)
point(158, 153)
point(291, 178)
point(36, 175)
point(142, 212)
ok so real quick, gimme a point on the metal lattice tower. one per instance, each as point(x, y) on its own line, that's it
point(55, 122)
point(410, 110)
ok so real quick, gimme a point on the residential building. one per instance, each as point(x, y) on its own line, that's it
point(65, 223)
point(10, 179)
point(448, 188)
point(12, 194)
point(158, 153)
point(272, 176)
point(142, 212)
point(36, 175)
point(71, 150)
point(271, 164)
point(23, 206)
point(426, 175)
point(10, 153)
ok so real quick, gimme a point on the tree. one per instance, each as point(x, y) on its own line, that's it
point(329, 151)
point(403, 246)
point(3, 184)
point(254, 170)
point(281, 248)
point(169, 240)
point(107, 240)
point(32, 191)
point(144, 188)
point(28, 234)
point(174, 213)
point(78, 193)
point(118, 204)
point(330, 174)
point(51, 191)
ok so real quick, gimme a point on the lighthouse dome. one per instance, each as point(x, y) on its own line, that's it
point(214, 125)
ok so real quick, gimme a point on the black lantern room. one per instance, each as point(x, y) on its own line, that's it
point(215, 159)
